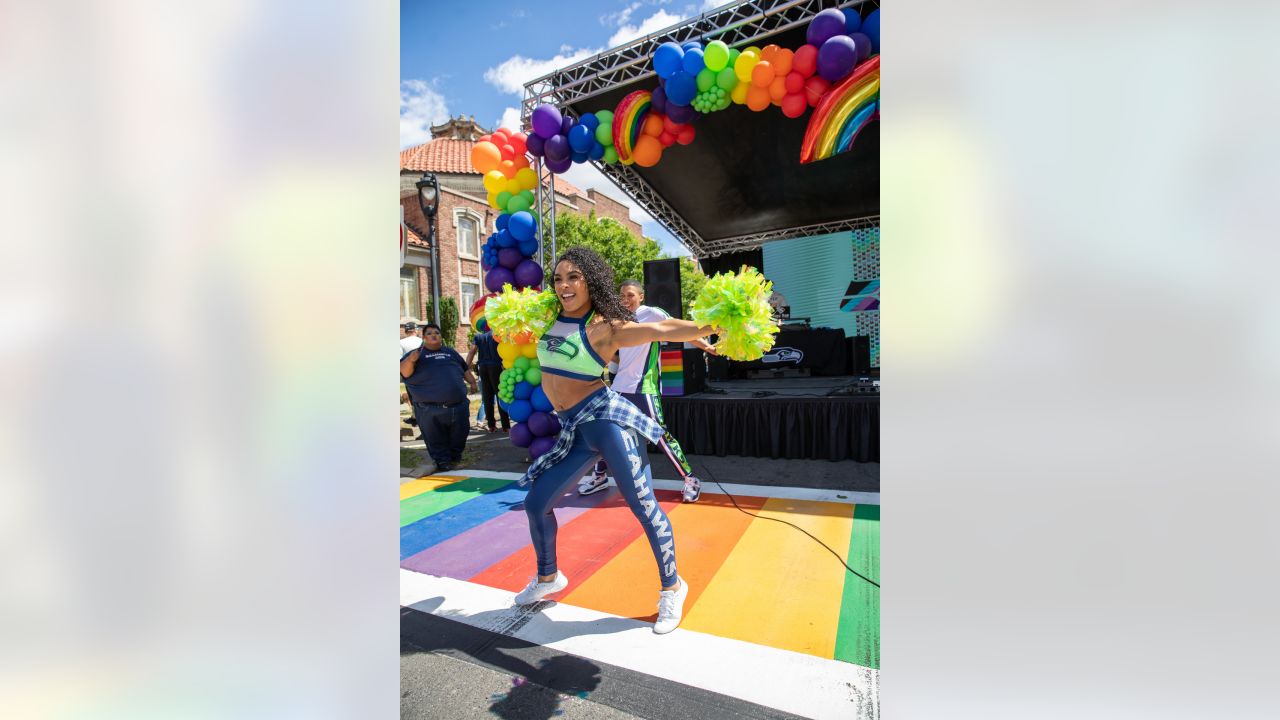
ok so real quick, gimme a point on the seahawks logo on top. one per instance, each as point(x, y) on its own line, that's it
point(560, 347)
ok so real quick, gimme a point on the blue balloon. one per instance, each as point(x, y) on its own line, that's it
point(519, 410)
point(590, 120)
point(693, 64)
point(523, 390)
point(505, 240)
point(871, 28)
point(501, 222)
point(597, 151)
point(522, 226)
point(852, 21)
point(681, 88)
point(667, 59)
point(579, 157)
point(539, 400)
point(528, 248)
point(580, 138)
point(691, 45)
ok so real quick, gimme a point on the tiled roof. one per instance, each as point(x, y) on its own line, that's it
point(444, 155)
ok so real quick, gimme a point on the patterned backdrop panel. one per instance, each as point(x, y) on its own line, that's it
point(863, 297)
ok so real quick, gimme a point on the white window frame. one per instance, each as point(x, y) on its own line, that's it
point(464, 308)
point(458, 215)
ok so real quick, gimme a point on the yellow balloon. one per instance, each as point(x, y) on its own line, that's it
point(739, 93)
point(743, 66)
point(513, 186)
point(529, 350)
point(495, 182)
point(493, 200)
point(527, 178)
point(507, 351)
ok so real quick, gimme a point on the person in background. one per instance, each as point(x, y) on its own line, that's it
point(434, 376)
point(410, 337)
point(488, 364)
point(636, 377)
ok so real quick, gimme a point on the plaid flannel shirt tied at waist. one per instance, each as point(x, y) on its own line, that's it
point(609, 406)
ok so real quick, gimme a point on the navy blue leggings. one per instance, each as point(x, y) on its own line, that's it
point(630, 462)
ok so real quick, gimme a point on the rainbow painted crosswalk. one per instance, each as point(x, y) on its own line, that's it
point(750, 579)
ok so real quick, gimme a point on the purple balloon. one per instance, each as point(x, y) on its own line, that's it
point(863, 44)
point(557, 148)
point(521, 436)
point(528, 273)
point(559, 166)
point(484, 265)
point(546, 120)
point(824, 26)
point(540, 424)
point(540, 446)
point(681, 113)
point(566, 124)
point(658, 99)
point(498, 277)
point(836, 57)
point(509, 258)
point(534, 143)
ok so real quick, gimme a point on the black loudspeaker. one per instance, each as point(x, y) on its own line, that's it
point(859, 355)
point(662, 285)
point(695, 371)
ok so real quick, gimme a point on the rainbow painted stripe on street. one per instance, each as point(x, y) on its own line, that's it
point(750, 579)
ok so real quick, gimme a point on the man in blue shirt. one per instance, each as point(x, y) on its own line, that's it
point(433, 374)
point(489, 368)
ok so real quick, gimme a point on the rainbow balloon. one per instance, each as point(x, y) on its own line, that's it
point(847, 108)
point(628, 119)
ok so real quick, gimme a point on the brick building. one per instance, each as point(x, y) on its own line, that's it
point(465, 219)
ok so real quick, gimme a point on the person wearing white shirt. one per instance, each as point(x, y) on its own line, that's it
point(638, 379)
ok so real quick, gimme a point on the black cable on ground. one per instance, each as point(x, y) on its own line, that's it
point(784, 522)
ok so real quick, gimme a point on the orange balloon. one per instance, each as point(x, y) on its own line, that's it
point(757, 98)
point(762, 74)
point(782, 62)
point(508, 169)
point(769, 53)
point(648, 151)
point(485, 156)
point(778, 89)
point(521, 162)
point(652, 124)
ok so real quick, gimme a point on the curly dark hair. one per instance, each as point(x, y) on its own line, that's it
point(604, 296)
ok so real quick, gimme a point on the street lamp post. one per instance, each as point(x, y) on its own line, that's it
point(429, 201)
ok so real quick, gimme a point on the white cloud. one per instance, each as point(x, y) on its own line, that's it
point(511, 75)
point(713, 4)
point(420, 108)
point(622, 16)
point(510, 119)
point(657, 21)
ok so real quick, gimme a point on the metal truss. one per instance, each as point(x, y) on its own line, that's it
point(737, 24)
point(720, 246)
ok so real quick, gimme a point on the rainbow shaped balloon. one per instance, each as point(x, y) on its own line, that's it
point(847, 108)
point(628, 119)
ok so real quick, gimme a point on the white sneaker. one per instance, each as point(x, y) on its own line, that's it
point(692, 489)
point(670, 608)
point(536, 591)
point(594, 484)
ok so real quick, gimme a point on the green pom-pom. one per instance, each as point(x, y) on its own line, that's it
point(739, 306)
point(523, 314)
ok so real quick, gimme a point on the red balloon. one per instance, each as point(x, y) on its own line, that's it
point(670, 125)
point(667, 138)
point(805, 60)
point(508, 152)
point(814, 88)
point(794, 105)
point(519, 142)
point(686, 135)
point(795, 83)
point(485, 138)
point(500, 133)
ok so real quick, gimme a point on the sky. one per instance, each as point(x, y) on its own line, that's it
point(472, 57)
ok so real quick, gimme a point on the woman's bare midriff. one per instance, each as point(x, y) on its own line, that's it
point(565, 392)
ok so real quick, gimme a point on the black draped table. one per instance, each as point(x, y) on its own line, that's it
point(822, 350)
point(821, 428)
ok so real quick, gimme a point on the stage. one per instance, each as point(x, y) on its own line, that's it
point(827, 418)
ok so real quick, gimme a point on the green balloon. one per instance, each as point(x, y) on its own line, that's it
point(733, 57)
point(727, 79)
point(706, 79)
point(604, 116)
point(521, 363)
point(503, 198)
point(518, 203)
point(715, 56)
point(533, 376)
point(604, 133)
point(610, 155)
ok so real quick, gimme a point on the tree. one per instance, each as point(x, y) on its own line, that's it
point(691, 282)
point(448, 318)
point(622, 250)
